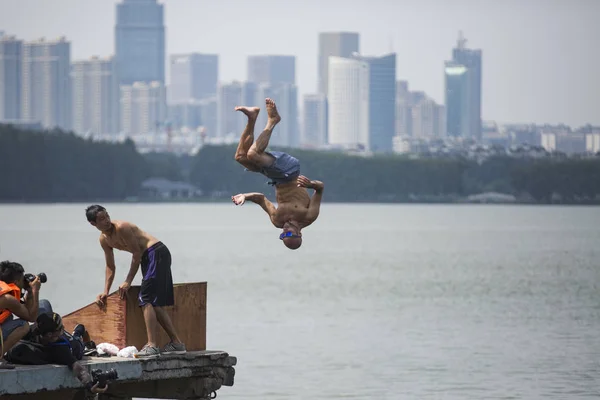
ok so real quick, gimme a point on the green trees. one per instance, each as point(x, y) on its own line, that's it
point(56, 166)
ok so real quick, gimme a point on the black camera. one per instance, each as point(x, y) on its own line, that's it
point(101, 377)
point(30, 277)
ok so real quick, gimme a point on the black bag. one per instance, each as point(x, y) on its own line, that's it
point(32, 353)
point(29, 353)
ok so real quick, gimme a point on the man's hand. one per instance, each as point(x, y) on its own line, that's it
point(101, 299)
point(307, 183)
point(96, 389)
point(238, 199)
point(125, 286)
point(34, 285)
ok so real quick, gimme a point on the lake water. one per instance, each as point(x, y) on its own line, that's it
point(381, 302)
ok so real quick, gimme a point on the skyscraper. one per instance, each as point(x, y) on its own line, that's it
point(272, 70)
point(11, 55)
point(382, 101)
point(143, 108)
point(95, 99)
point(334, 44)
point(348, 103)
point(229, 122)
point(140, 41)
point(286, 97)
point(193, 77)
point(428, 119)
point(46, 88)
point(403, 110)
point(463, 91)
point(458, 110)
point(315, 120)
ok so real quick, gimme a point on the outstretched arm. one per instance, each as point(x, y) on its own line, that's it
point(109, 258)
point(314, 207)
point(259, 199)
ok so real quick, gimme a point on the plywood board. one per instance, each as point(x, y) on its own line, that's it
point(121, 322)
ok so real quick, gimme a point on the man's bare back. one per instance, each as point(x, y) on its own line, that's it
point(128, 237)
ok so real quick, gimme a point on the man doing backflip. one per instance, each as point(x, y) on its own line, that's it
point(295, 210)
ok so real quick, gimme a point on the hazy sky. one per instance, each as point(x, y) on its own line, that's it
point(541, 58)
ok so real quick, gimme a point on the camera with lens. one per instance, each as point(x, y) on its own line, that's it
point(102, 377)
point(30, 278)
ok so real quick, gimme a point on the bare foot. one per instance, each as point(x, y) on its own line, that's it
point(273, 115)
point(251, 112)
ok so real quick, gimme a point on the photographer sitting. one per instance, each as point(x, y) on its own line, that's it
point(12, 280)
point(48, 343)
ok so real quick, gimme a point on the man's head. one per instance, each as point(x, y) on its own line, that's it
point(98, 217)
point(12, 272)
point(49, 326)
point(291, 235)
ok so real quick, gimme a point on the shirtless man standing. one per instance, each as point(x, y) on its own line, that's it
point(156, 291)
point(296, 209)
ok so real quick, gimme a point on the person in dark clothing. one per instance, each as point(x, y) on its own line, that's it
point(48, 343)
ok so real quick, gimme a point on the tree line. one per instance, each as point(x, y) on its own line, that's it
point(55, 166)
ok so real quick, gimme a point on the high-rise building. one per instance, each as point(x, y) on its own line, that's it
point(428, 120)
point(272, 69)
point(286, 133)
point(463, 92)
point(249, 95)
point(95, 98)
point(458, 112)
point(140, 41)
point(184, 115)
point(208, 116)
point(143, 108)
point(193, 77)
point(46, 88)
point(348, 103)
point(403, 110)
point(314, 121)
point(382, 101)
point(229, 122)
point(11, 56)
point(334, 44)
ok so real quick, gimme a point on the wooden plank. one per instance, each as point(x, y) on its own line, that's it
point(122, 322)
point(103, 325)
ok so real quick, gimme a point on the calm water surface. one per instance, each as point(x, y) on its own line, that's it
point(381, 302)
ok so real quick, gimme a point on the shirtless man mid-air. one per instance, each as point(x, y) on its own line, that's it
point(296, 209)
point(156, 291)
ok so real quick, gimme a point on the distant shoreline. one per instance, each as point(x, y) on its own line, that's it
point(223, 201)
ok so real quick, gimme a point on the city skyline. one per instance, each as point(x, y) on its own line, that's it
point(524, 81)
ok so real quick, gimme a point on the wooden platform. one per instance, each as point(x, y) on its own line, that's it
point(121, 322)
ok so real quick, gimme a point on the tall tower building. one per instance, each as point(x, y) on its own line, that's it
point(143, 108)
point(314, 121)
point(46, 88)
point(140, 41)
point(463, 92)
point(348, 103)
point(193, 77)
point(229, 122)
point(272, 70)
point(11, 56)
point(95, 99)
point(334, 44)
point(382, 101)
point(428, 119)
point(403, 110)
